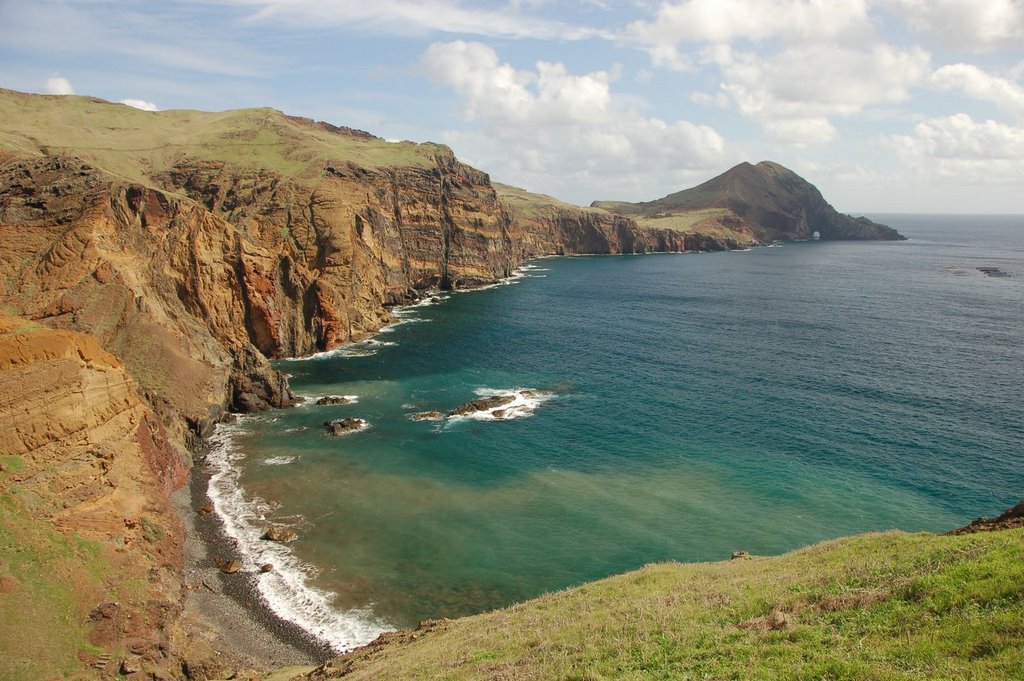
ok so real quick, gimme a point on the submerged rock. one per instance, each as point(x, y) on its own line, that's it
point(428, 416)
point(483, 404)
point(343, 426)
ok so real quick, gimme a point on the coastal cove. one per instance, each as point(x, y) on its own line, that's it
point(683, 407)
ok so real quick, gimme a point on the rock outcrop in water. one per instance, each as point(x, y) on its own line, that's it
point(339, 427)
point(482, 404)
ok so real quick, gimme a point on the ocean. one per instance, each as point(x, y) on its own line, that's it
point(668, 407)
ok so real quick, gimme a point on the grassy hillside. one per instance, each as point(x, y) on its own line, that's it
point(877, 606)
point(530, 205)
point(767, 198)
point(141, 144)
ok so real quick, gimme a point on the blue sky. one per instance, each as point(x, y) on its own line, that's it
point(886, 105)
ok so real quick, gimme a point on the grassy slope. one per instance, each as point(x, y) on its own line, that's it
point(704, 209)
point(706, 221)
point(877, 606)
point(139, 144)
point(530, 205)
point(48, 583)
point(744, 182)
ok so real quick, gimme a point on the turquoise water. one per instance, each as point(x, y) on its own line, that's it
point(699, 404)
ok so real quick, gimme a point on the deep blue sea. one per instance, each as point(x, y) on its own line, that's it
point(680, 407)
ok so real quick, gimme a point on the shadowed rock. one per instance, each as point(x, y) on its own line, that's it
point(333, 400)
point(483, 404)
point(279, 534)
point(343, 426)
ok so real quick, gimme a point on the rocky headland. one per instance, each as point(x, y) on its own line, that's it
point(756, 204)
point(151, 266)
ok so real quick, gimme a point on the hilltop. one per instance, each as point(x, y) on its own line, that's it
point(765, 201)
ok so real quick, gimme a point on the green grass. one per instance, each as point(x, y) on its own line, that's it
point(48, 579)
point(138, 145)
point(530, 205)
point(879, 606)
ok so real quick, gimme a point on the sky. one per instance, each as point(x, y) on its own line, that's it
point(885, 105)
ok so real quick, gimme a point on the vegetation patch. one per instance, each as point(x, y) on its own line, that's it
point(47, 583)
point(878, 606)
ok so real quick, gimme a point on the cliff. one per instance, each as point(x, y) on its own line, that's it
point(256, 235)
point(92, 551)
point(547, 226)
point(768, 201)
point(196, 245)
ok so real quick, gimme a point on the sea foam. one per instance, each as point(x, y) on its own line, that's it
point(286, 590)
point(525, 404)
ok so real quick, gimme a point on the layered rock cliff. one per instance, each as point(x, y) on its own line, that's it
point(547, 226)
point(82, 457)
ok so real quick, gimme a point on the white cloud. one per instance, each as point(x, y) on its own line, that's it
point(726, 21)
point(547, 121)
point(415, 17)
point(791, 65)
point(959, 24)
point(964, 24)
point(719, 99)
point(140, 104)
point(498, 93)
point(1007, 95)
point(796, 92)
point(59, 86)
point(723, 21)
point(129, 31)
point(957, 151)
point(960, 137)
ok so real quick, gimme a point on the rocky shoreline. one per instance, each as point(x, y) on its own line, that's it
point(234, 619)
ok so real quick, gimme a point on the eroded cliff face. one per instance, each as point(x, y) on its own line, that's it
point(589, 232)
point(196, 280)
point(372, 236)
point(85, 475)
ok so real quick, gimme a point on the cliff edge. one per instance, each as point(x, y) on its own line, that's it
point(875, 606)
